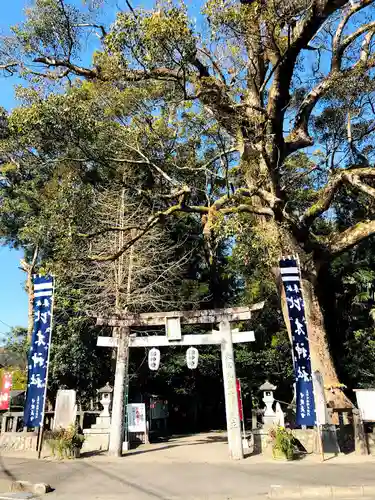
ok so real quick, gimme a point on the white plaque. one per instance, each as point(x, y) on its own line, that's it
point(173, 328)
point(366, 403)
point(137, 417)
point(107, 342)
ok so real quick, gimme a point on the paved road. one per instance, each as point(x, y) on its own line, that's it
point(106, 479)
point(195, 470)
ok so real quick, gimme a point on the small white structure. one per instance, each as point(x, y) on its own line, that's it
point(269, 414)
point(366, 404)
point(279, 416)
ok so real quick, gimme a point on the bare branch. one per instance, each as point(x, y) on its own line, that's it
point(351, 237)
point(339, 47)
point(9, 67)
point(63, 63)
point(355, 181)
point(147, 161)
point(105, 230)
point(89, 25)
point(350, 176)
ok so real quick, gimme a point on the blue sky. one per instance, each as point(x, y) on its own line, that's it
point(13, 298)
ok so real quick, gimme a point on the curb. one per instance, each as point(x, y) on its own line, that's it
point(278, 491)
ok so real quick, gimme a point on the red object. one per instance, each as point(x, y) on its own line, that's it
point(239, 397)
point(5, 391)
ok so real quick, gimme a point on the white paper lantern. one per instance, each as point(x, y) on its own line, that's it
point(154, 359)
point(192, 356)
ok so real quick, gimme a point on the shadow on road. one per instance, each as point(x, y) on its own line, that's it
point(5, 470)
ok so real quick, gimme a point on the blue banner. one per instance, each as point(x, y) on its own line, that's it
point(39, 351)
point(290, 276)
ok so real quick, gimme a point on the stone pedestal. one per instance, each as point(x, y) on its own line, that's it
point(262, 444)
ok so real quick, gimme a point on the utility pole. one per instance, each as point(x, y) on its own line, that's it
point(29, 269)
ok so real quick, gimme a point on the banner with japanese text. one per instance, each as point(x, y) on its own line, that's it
point(39, 351)
point(290, 275)
point(6, 387)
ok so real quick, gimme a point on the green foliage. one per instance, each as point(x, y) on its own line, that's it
point(283, 442)
point(19, 377)
point(151, 119)
point(65, 442)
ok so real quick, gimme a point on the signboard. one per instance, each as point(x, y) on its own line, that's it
point(173, 328)
point(366, 403)
point(322, 417)
point(5, 391)
point(107, 342)
point(290, 276)
point(192, 356)
point(39, 351)
point(239, 395)
point(136, 417)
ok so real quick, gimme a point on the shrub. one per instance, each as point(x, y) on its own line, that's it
point(65, 443)
point(283, 442)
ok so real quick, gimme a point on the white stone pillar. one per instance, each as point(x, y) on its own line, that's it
point(116, 436)
point(230, 391)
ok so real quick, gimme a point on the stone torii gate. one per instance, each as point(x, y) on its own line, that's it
point(172, 321)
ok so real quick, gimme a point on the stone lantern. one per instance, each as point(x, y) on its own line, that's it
point(97, 437)
point(269, 415)
point(105, 401)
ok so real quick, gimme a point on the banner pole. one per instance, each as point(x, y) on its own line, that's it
point(319, 427)
point(41, 429)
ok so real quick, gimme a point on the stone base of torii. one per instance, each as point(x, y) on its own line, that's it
point(172, 321)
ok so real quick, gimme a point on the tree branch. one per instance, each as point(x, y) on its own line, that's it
point(89, 25)
point(218, 206)
point(324, 201)
point(351, 237)
point(299, 137)
point(355, 181)
point(8, 67)
point(351, 176)
point(338, 47)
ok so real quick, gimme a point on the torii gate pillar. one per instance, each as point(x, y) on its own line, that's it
point(230, 392)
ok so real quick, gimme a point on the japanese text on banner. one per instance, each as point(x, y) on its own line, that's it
point(290, 276)
point(38, 353)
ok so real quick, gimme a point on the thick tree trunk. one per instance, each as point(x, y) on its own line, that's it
point(278, 240)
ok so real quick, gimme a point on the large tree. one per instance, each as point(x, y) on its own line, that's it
point(261, 73)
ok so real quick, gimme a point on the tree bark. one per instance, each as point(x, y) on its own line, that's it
point(321, 358)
